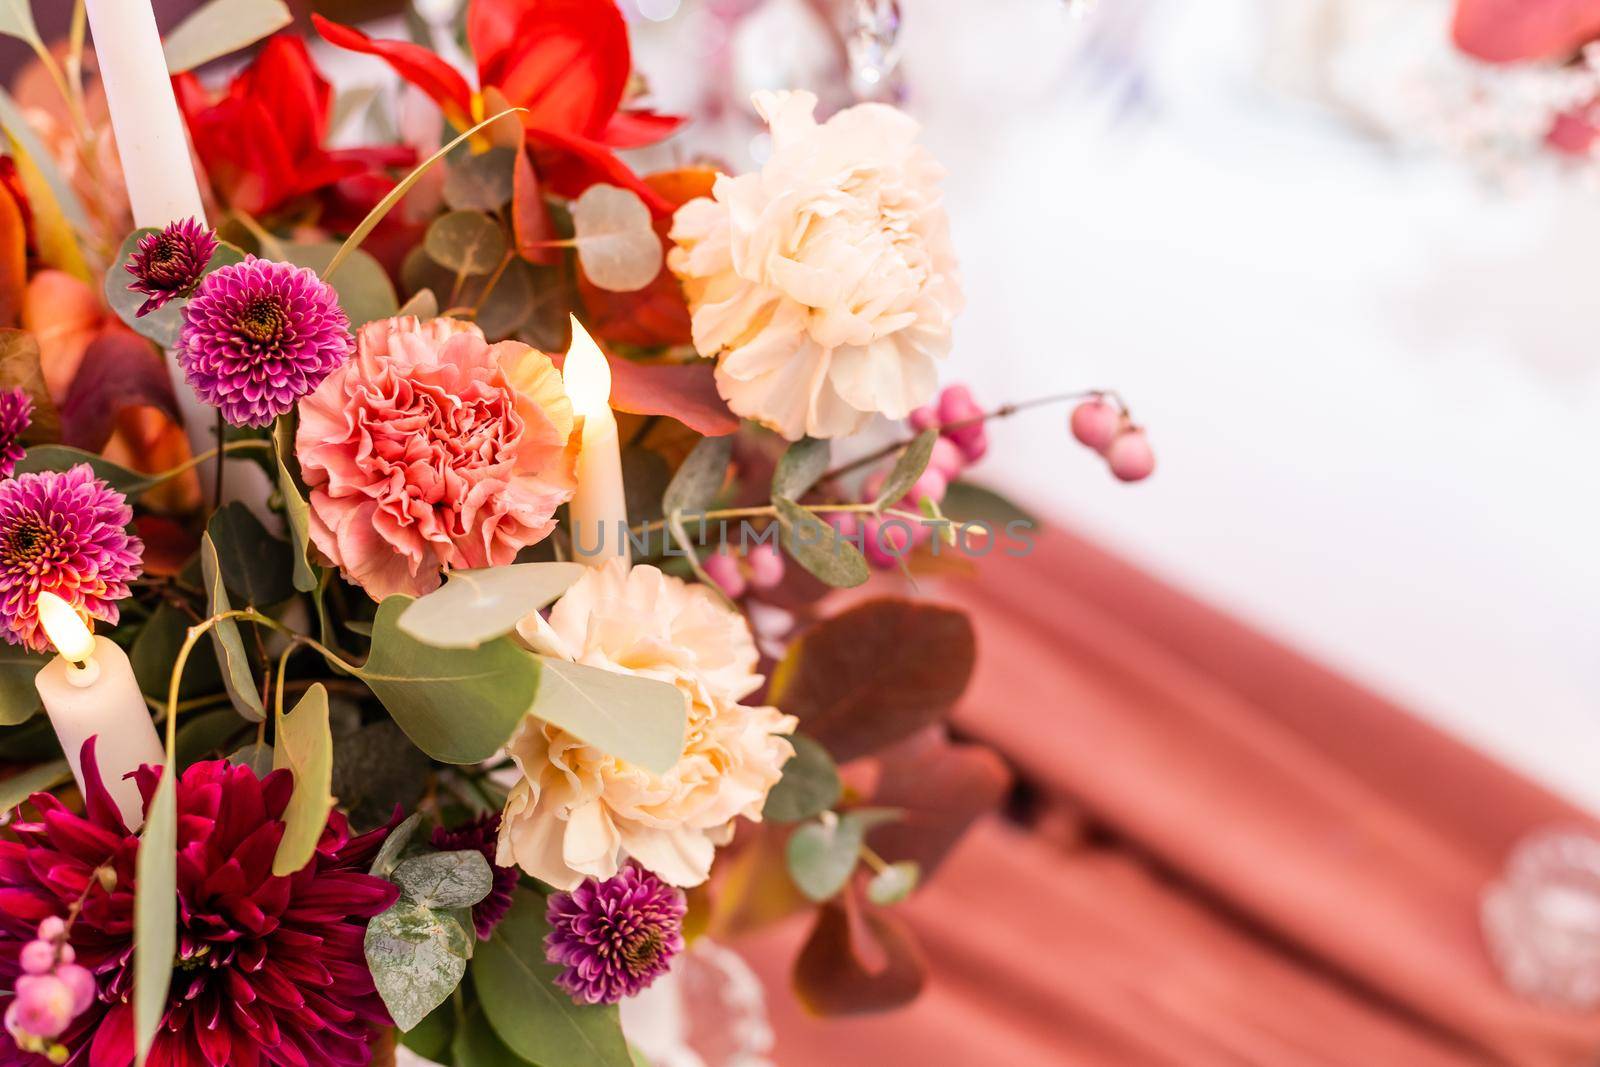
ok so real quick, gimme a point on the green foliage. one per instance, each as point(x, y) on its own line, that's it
point(894, 883)
point(227, 640)
point(221, 27)
point(467, 242)
point(639, 720)
point(823, 854)
point(908, 468)
point(480, 181)
point(303, 743)
point(255, 565)
point(798, 469)
point(418, 949)
point(295, 508)
point(19, 700)
point(533, 1016)
point(457, 705)
point(698, 481)
point(810, 784)
point(475, 606)
point(155, 913)
point(20, 786)
point(60, 457)
point(817, 547)
point(365, 291)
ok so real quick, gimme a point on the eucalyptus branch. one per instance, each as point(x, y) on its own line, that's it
point(205, 457)
point(766, 511)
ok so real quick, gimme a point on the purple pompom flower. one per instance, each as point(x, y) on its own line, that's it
point(260, 335)
point(614, 937)
point(62, 532)
point(168, 264)
point(483, 835)
point(16, 415)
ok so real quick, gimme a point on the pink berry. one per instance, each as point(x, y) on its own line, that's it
point(1095, 423)
point(81, 982)
point(956, 405)
point(1130, 457)
point(932, 485)
point(723, 569)
point(52, 928)
point(38, 957)
point(43, 1005)
point(947, 459)
point(766, 565)
point(924, 418)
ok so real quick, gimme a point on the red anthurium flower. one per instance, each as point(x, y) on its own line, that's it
point(1509, 31)
point(261, 140)
point(565, 61)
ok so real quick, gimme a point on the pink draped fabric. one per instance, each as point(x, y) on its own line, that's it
point(1285, 870)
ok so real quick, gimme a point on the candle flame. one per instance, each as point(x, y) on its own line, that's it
point(586, 374)
point(65, 628)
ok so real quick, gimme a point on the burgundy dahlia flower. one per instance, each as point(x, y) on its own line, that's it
point(482, 834)
point(614, 937)
point(16, 415)
point(168, 264)
point(62, 532)
point(260, 335)
point(270, 970)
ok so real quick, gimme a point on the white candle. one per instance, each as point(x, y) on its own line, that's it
point(599, 508)
point(89, 691)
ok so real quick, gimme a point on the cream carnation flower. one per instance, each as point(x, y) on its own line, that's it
point(824, 283)
point(576, 811)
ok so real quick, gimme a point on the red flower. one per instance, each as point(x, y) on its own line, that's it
point(261, 141)
point(1510, 31)
point(270, 971)
point(566, 61)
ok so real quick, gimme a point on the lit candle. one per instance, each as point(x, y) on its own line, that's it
point(599, 508)
point(89, 691)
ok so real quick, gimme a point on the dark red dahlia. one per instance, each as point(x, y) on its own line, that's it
point(483, 834)
point(270, 971)
point(168, 264)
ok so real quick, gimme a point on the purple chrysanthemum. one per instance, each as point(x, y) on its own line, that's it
point(62, 532)
point(260, 335)
point(482, 834)
point(614, 937)
point(16, 415)
point(168, 264)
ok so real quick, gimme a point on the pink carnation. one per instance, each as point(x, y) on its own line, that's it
point(433, 449)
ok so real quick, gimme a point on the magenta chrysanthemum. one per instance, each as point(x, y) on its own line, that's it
point(260, 335)
point(62, 532)
point(168, 264)
point(16, 415)
point(614, 937)
point(270, 970)
point(482, 834)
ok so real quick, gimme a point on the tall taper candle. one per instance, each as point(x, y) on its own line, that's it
point(89, 691)
point(599, 508)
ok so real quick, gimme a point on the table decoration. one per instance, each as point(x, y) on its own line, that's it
point(430, 768)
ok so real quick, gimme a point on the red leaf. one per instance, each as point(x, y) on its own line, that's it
point(570, 164)
point(1509, 31)
point(412, 62)
point(530, 215)
point(683, 391)
point(566, 62)
point(858, 960)
point(942, 787)
point(120, 370)
point(876, 674)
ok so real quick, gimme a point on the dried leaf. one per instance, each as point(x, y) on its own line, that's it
point(858, 960)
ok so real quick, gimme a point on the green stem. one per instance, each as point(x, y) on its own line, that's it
point(757, 512)
point(209, 454)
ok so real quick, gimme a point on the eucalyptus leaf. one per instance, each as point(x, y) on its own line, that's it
point(226, 639)
point(365, 291)
point(477, 1045)
point(388, 857)
point(457, 705)
point(481, 181)
point(156, 647)
point(475, 606)
point(203, 733)
point(19, 700)
point(468, 242)
point(908, 468)
point(303, 744)
point(616, 239)
point(60, 457)
point(810, 784)
point(155, 914)
point(823, 854)
point(818, 548)
point(402, 187)
point(444, 880)
point(534, 1017)
point(219, 28)
point(16, 20)
point(423, 304)
point(256, 756)
point(254, 564)
point(295, 507)
point(417, 957)
point(798, 469)
point(894, 883)
point(164, 324)
point(698, 481)
point(22, 785)
point(432, 1038)
point(638, 720)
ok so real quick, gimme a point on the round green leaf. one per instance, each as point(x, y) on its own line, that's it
point(480, 181)
point(466, 241)
point(810, 784)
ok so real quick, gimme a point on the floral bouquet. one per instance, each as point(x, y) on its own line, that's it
point(460, 520)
